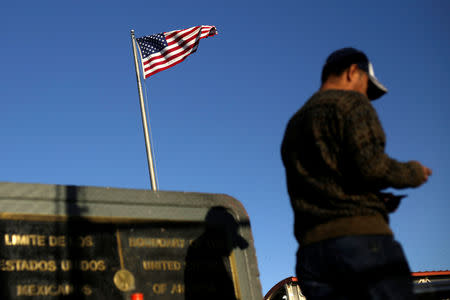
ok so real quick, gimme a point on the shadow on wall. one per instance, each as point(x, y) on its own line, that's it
point(209, 273)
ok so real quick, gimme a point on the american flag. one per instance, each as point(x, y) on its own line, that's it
point(164, 50)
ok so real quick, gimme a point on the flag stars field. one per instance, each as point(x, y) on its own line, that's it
point(152, 44)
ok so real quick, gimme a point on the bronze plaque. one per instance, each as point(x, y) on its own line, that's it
point(57, 257)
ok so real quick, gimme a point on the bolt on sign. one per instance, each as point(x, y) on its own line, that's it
point(68, 242)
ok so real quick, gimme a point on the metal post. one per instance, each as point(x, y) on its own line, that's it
point(144, 117)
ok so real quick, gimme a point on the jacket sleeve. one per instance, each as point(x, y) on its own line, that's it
point(365, 151)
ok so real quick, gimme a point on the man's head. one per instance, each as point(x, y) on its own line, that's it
point(350, 69)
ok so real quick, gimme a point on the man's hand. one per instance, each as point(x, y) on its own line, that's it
point(426, 171)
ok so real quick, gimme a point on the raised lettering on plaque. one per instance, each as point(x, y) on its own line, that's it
point(49, 257)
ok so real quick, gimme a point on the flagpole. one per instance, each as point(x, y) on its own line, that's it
point(151, 168)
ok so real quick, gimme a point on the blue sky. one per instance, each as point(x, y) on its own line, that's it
point(70, 110)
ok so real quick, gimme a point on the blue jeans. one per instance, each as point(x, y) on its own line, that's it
point(354, 267)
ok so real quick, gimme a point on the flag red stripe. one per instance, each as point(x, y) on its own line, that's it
point(152, 65)
point(177, 36)
point(169, 62)
point(171, 34)
point(164, 68)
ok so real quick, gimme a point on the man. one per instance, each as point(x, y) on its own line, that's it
point(336, 166)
